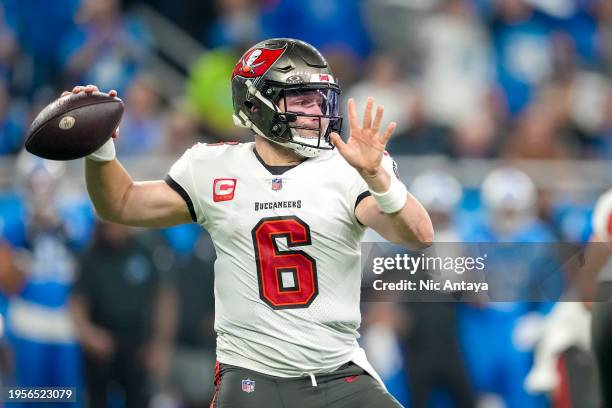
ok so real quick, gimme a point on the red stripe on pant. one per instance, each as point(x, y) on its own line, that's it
point(561, 395)
point(217, 380)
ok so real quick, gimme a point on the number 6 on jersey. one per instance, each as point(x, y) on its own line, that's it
point(287, 279)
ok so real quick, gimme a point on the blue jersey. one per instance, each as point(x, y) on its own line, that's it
point(524, 55)
point(12, 219)
point(52, 264)
point(498, 364)
point(526, 262)
point(39, 328)
point(51, 272)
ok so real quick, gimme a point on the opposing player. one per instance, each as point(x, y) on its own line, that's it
point(286, 214)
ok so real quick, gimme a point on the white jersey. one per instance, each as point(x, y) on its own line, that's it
point(287, 274)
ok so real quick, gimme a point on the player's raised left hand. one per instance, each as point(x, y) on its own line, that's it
point(365, 146)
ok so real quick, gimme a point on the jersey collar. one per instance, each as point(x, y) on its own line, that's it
point(275, 170)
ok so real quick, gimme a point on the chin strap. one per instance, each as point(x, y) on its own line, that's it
point(242, 120)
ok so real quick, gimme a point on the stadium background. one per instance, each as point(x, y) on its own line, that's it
point(473, 85)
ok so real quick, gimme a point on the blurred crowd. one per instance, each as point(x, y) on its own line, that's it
point(464, 79)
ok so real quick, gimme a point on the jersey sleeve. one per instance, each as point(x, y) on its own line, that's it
point(181, 179)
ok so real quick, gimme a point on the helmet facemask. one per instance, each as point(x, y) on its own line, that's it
point(308, 116)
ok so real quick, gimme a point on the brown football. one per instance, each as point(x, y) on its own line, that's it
point(74, 126)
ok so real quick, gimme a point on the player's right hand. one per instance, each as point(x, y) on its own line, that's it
point(89, 89)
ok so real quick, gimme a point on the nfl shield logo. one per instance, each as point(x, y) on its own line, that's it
point(277, 184)
point(248, 385)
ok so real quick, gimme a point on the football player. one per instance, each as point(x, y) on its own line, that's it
point(286, 214)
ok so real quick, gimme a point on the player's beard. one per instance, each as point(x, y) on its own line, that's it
point(308, 133)
point(315, 129)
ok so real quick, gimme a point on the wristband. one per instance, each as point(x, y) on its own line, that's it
point(105, 153)
point(394, 198)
